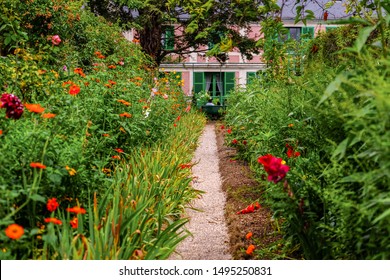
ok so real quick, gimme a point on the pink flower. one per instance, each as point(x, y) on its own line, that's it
point(165, 96)
point(274, 166)
point(188, 108)
point(56, 40)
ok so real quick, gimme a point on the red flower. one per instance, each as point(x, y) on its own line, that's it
point(52, 204)
point(74, 223)
point(274, 166)
point(290, 152)
point(248, 235)
point(116, 157)
point(186, 165)
point(37, 165)
point(178, 118)
point(229, 131)
point(222, 127)
point(249, 209)
point(53, 220)
point(119, 150)
point(76, 210)
point(74, 90)
point(244, 142)
point(234, 141)
point(12, 104)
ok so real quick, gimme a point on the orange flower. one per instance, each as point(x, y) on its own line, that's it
point(74, 90)
point(53, 220)
point(127, 115)
point(291, 125)
point(14, 231)
point(1, 131)
point(112, 82)
point(112, 66)
point(71, 171)
point(250, 249)
point(37, 165)
point(52, 204)
point(124, 102)
point(106, 135)
point(67, 83)
point(74, 222)
point(76, 210)
point(34, 108)
point(119, 150)
point(48, 115)
point(79, 71)
point(116, 157)
point(248, 235)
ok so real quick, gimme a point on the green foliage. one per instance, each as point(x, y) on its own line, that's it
point(105, 112)
point(333, 203)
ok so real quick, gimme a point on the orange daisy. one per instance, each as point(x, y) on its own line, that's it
point(48, 115)
point(127, 115)
point(14, 231)
point(34, 108)
point(76, 210)
point(53, 220)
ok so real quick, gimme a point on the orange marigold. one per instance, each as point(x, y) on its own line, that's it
point(76, 210)
point(53, 220)
point(34, 108)
point(37, 165)
point(48, 115)
point(14, 231)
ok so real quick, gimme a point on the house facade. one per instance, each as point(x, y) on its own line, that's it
point(201, 73)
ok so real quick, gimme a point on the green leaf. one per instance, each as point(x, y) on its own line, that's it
point(363, 36)
point(37, 197)
point(382, 216)
point(333, 86)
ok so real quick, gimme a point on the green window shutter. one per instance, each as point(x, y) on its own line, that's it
point(229, 81)
point(169, 38)
point(308, 32)
point(199, 82)
point(250, 76)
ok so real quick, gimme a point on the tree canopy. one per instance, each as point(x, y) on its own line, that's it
point(219, 24)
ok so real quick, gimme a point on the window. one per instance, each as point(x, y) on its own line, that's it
point(217, 84)
point(330, 28)
point(168, 38)
point(250, 76)
point(298, 33)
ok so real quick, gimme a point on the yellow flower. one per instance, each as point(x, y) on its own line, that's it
point(283, 162)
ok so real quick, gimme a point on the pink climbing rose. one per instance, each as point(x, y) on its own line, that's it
point(56, 40)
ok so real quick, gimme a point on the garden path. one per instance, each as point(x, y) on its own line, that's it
point(209, 240)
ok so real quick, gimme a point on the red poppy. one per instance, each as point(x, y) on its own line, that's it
point(76, 210)
point(37, 165)
point(74, 90)
point(52, 204)
point(53, 220)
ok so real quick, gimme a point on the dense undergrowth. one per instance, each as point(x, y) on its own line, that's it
point(321, 140)
point(90, 134)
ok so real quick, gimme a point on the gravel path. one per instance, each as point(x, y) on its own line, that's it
point(210, 237)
